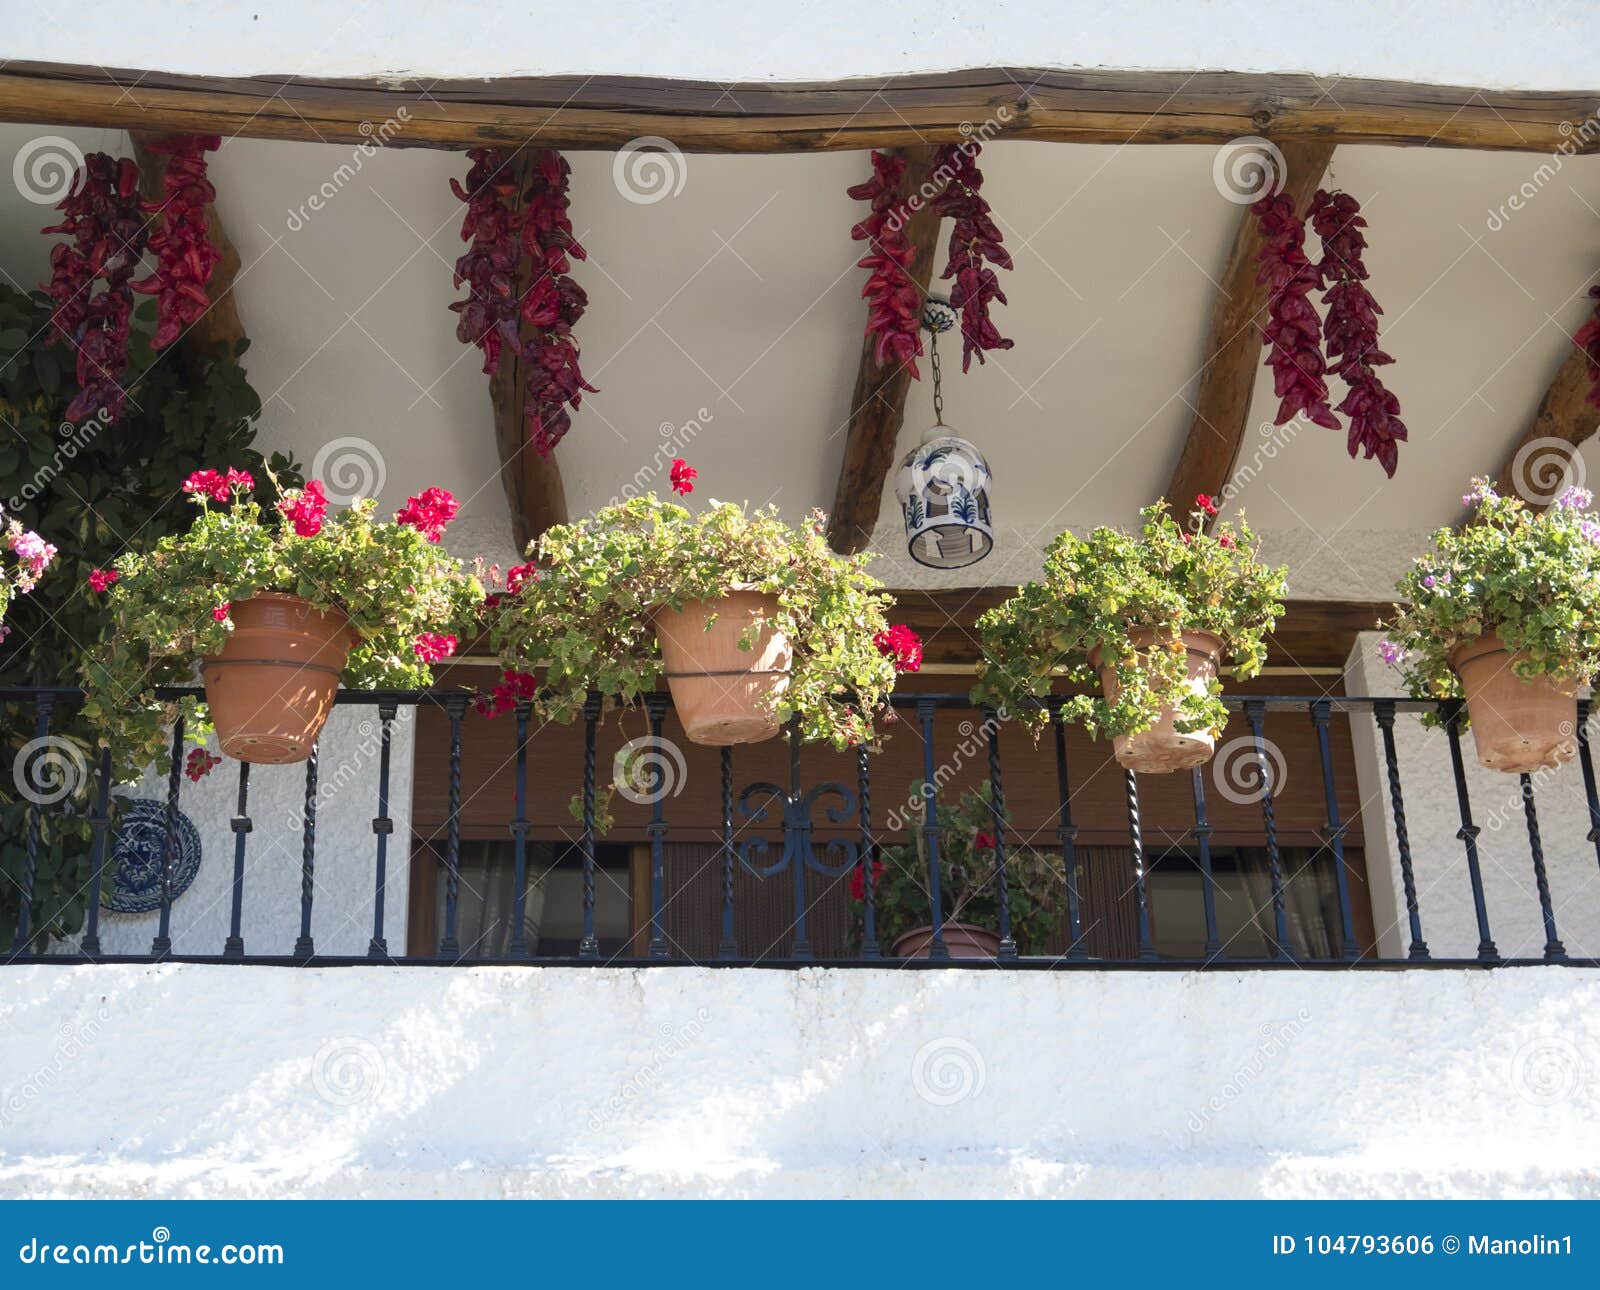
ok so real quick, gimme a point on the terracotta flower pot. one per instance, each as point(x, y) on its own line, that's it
point(271, 689)
point(1164, 748)
point(963, 940)
point(724, 694)
point(1518, 724)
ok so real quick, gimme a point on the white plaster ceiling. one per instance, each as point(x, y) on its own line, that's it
point(739, 297)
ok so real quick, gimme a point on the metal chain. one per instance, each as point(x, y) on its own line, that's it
point(938, 391)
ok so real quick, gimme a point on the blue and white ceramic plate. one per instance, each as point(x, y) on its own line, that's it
point(135, 868)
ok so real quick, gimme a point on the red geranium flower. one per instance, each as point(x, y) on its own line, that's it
point(683, 476)
point(200, 764)
point(513, 688)
point(1225, 541)
point(901, 644)
point(428, 512)
point(1203, 502)
point(243, 480)
point(220, 613)
point(518, 574)
point(306, 510)
point(432, 647)
point(101, 579)
point(982, 842)
point(210, 482)
point(858, 880)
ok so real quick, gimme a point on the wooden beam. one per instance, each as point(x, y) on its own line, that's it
point(1535, 466)
point(1090, 106)
point(220, 324)
point(878, 401)
point(532, 483)
point(1312, 633)
point(1233, 352)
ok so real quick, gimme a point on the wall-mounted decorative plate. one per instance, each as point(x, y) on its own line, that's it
point(134, 872)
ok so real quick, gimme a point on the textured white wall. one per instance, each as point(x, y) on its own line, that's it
point(342, 899)
point(1444, 891)
point(218, 1081)
point(1534, 44)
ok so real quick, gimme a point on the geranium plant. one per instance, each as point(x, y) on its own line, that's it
point(1098, 593)
point(581, 611)
point(24, 556)
point(170, 606)
point(969, 878)
point(1533, 579)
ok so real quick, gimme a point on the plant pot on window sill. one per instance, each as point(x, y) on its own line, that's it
point(724, 694)
point(272, 688)
point(1163, 747)
point(1519, 724)
point(963, 940)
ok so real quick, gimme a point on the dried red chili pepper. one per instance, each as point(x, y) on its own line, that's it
point(1588, 340)
point(1351, 330)
point(1294, 332)
point(974, 239)
point(894, 312)
point(185, 256)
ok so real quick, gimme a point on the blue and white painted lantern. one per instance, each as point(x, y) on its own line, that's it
point(943, 487)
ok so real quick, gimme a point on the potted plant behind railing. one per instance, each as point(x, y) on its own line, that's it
point(749, 621)
point(1149, 619)
point(277, 606)
point(30, 556)
point(969, 886)
point(1505, 611)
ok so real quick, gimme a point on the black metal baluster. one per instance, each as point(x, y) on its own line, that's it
point(517, 947)
point(42, 706)
point(1202, 839)
point(1067, 832)
point(1586, 757)
point(1554, 950)
point(1450, 710)
point(382, 827)
point(798, 848)
point(162, 945)
point(727, 948)
point(455, 706)
point(1321, 711)
point(656, 703)
point(997, 813)
point(937, 949)
point(100, 824)
point(1147, 949)
point(589, 946)
point(233, 948)
point(304, 948)
point(1256, 711)
point(869, 880)
point(1383, 712)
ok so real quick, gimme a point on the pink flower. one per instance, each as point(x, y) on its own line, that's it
point(220, 613)
point(243, 480)
point(34, 552)
point(432, 647)
point(208, 483)
point(519, 574)
point(428, 512)
point(683, 477)
point(901, 644)
point(100, 580)
point(305, 509)
point(1204, 503)
point(1226, 541)
point(1390, 652)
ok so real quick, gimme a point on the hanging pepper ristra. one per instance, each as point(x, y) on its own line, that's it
point(1293, 332)
point(894, 302)
point(974, 239)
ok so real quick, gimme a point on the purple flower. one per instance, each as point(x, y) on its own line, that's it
point(1429, 581)
point(1392, 653)
point(1591, 530)
point(1575, 498)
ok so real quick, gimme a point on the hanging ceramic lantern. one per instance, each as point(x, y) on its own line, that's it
point(943, 483)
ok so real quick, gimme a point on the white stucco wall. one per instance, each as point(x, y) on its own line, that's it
point(1444, 892)
point(234, 1081)
point(342, 899)
point(1535, 44)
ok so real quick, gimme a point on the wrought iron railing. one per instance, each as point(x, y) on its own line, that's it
point(774, 819)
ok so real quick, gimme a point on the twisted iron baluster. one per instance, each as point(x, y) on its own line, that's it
point(1202, 838)
point(382, 827)
point(455, 707)
point(241, 825)
point(1147, 950)
point(589, 946)
point(162, 945)
point(727, 948)
point(1067, 833)
point(100, 823)
point(926, 708)
point(303, 946)
point(1451, 710)
point(656, 704)
point(1554, 950)
point(1586, 758)
point(43, 704)
point(1321, 709)
point(1256, 711)
point(997, 813)
point(1383, 711)
point(518, 945)
point(869, 881)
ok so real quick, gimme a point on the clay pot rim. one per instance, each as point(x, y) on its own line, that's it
point(1192, 638)
point(1490, 642)
point(949, 925)
point(334, 612)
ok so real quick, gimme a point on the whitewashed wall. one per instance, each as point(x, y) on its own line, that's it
point(342, 899)
point(235, 1081)
point(1444, 891)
